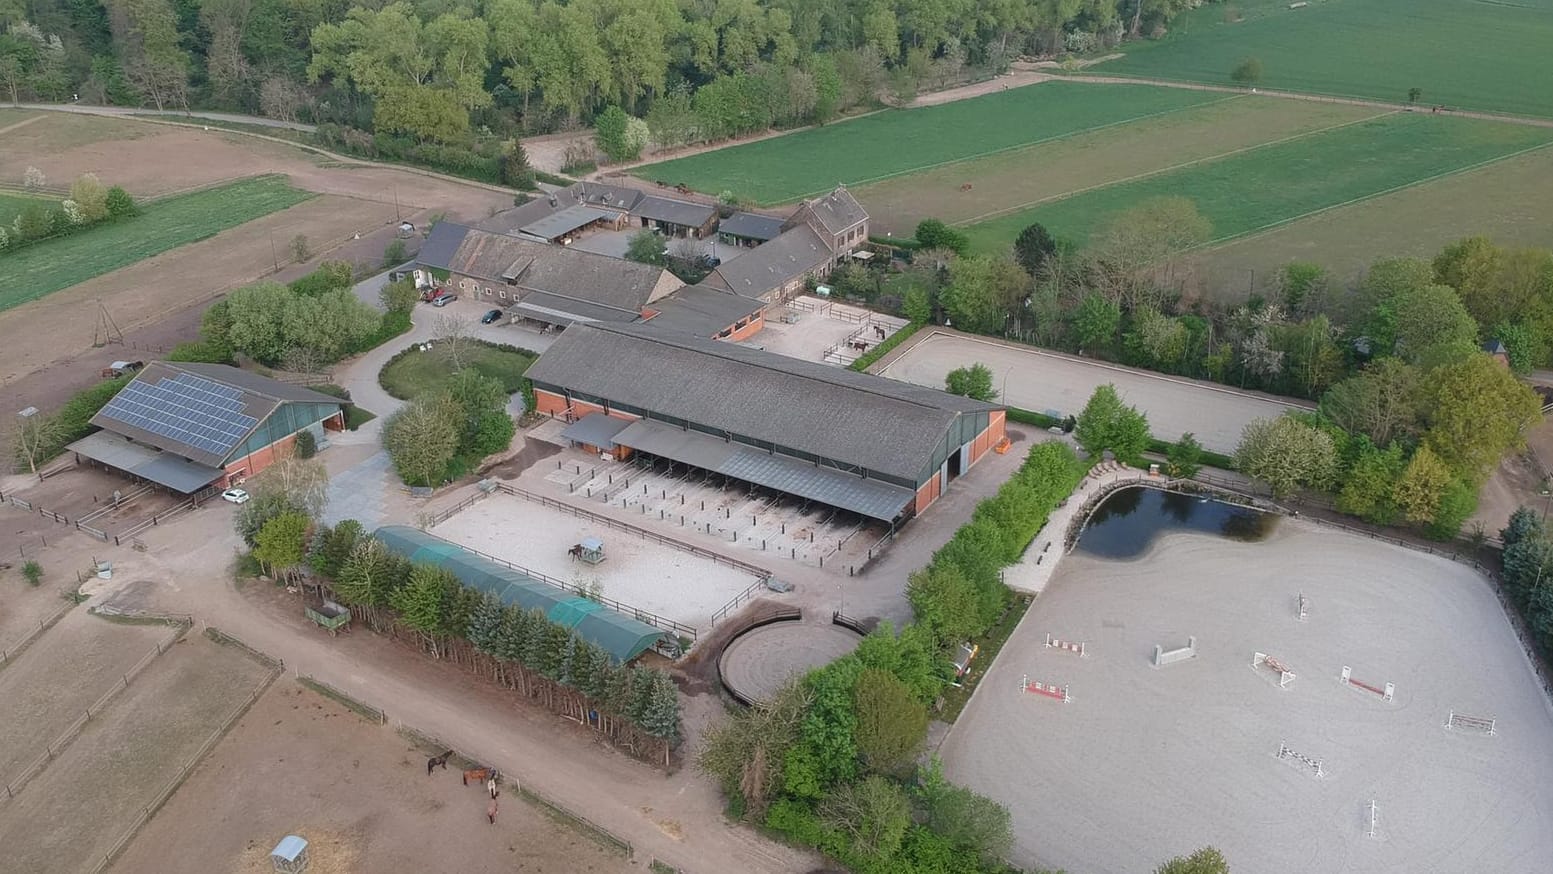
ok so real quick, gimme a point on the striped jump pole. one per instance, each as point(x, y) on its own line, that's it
point(1050, 690)
point(1065, 645)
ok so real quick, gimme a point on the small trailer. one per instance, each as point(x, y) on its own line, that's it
point(335, 617)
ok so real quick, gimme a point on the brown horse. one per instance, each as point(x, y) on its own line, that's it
point(491, 809)
point(575, 552)
point(438, 762)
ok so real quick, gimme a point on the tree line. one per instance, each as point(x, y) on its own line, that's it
point(1413, 365)
point(634, 708)
point(450, 73)
point(88, 203)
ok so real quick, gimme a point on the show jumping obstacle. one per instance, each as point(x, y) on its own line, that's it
point(1460, 721)
point(1386, 693)
point(1290, 755)
point(1050, 690)
point(1066, 646)
point(1303, 609)
point(1374, 819)
point(1285, 676)
point(1164, 657)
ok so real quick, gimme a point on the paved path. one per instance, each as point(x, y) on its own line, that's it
point(133, 111)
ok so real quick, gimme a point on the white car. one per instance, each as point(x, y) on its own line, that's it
point(236, 496)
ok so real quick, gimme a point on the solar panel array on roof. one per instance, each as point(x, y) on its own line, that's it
point(189, 409)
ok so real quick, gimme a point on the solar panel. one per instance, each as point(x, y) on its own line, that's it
point(187, 409)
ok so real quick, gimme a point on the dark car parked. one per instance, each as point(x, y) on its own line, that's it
point(490, 317)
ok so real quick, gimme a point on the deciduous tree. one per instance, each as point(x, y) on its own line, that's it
point(1384, 402)
point(972, 823)
point(972, 382)
point(1421, 486)
point(891, 722)
point(1107, 423)
point(1480, 411)
point(934, 234)
point(422, 438)
point(281, 543)
point(1286, 453)
point(646, 247)
point(873, 813)
point(1184, 457)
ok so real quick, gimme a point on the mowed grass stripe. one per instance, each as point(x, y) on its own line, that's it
point(1506, 201)
point(162, 225)
point(1022, 178)
point(1268, 186)
point(1493, 56)
point(896, 142)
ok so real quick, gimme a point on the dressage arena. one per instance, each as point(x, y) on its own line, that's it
point(1143, 762)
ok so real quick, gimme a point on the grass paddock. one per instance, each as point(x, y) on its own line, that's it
point(50, 266)
point(1269, 186)
point(1492, 55)
point(903, 141)
point(412, 372)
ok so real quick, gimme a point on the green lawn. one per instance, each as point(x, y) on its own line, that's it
point(1268, 186)
point(12, 203)
point(162, 225)
point(897, 142)
point(413, 372)
point(1493, 55)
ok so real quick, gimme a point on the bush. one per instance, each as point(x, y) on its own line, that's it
point(307, 444)
point(867, 359)
point(33, 572)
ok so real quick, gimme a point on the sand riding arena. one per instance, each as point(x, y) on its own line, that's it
point(1397, 726)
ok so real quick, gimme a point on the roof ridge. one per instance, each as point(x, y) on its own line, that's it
point(716, 348)
point(182, 367)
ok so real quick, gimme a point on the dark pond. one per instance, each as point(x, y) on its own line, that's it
point(1126, 523)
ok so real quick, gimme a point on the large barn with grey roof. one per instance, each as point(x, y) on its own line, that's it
point(873, 446)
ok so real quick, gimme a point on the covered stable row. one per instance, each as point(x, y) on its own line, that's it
point(865, 445)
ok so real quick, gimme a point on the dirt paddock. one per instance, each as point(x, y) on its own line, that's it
point(299, 763)
point(76, 810)
point(1144, 763)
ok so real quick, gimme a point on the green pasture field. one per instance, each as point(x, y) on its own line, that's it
point(1014, 180)
point(165, 224)
point(1506, 201)
point(1491, 55)
point(12, 203)
point(902, 141)
point(1261, 188)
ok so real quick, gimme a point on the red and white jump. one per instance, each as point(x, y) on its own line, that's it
point(1386, 692)
point(1261, 660)
point(1050, 690)
point(1064, 645)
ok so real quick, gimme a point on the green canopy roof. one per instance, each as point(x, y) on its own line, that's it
point(623, 637)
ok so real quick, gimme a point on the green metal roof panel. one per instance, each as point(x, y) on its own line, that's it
point(623, 637)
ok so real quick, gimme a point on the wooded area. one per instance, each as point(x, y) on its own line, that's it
point(451, 72)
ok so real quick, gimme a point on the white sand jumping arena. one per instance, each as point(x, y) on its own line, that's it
point(1146, 763)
